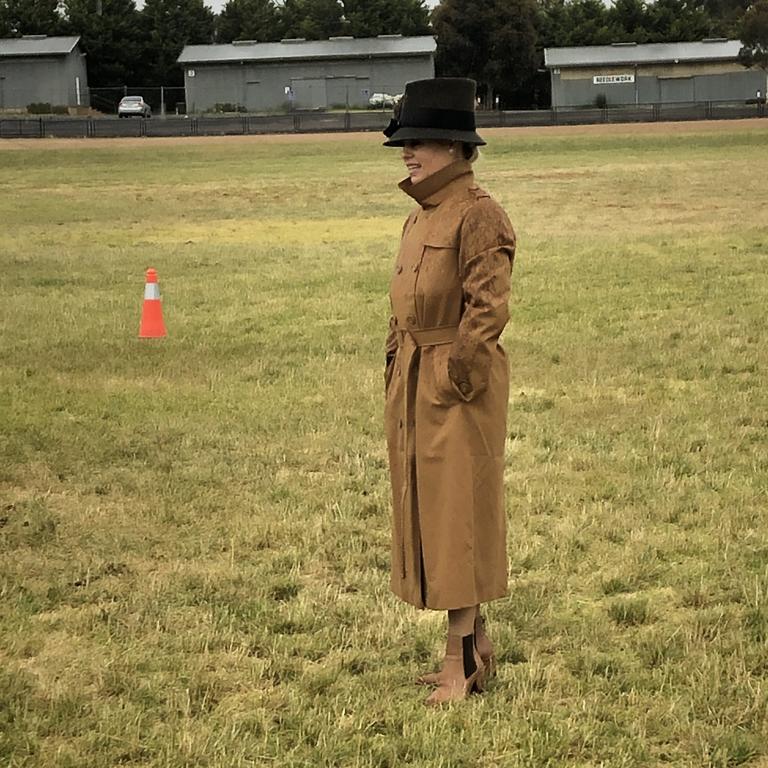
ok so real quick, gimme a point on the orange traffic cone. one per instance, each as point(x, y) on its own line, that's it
point(152, 325)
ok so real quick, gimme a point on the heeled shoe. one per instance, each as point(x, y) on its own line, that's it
point(463, 672)
point(484, 648)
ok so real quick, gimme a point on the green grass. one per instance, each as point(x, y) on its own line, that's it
point(194, 531)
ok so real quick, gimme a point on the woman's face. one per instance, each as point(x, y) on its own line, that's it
point(423, 158)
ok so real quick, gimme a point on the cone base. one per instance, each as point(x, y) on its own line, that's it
point(152, 325)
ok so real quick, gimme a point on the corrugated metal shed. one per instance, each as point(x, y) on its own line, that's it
point(335, 48)
point(652, 53)
point(38, 45)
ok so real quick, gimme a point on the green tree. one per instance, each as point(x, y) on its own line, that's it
point(248, 20)
point(168, 26)
point(492, 41)
point(563, 23)
point(29, 17)
point(726, 15)
point(630, 20)
point(670, 21)
point(312, 19)
point(754, 37)
point(110, 36)
point(368, 18)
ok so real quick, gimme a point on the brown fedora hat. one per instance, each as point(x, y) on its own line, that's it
point(439, 108)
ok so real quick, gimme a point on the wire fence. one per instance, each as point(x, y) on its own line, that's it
point(52, 99)
point(324, 122)
point(163, 99)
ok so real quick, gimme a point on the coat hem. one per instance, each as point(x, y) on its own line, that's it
point(443, 606)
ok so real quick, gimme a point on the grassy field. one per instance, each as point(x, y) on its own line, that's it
point(194, 531)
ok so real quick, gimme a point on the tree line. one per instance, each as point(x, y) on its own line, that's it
point(498, 42)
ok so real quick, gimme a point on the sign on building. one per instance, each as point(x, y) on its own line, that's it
point(611, 79)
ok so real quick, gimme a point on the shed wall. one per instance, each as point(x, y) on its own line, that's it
point(261, 86)
point(35, 79)
point(657, 84)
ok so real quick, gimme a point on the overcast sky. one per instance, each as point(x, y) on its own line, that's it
point(217, 5)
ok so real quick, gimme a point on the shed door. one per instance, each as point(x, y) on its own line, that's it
point(676, 89)
point(254, 100)
point(344, 91)
point(309, 93)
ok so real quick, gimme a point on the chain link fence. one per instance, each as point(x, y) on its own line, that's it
point(164, 100)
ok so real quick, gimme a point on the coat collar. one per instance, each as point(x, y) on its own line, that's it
point(434, 189)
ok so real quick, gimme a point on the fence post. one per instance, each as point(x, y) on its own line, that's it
point(296, 122)
point(41, 128)
point(347, 121)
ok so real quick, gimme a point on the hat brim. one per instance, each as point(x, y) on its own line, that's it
point(403, 134)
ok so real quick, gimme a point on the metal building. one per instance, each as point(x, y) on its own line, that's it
point(658, 73)
point(301, 74)
point(38, 69)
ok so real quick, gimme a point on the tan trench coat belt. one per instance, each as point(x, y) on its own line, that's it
point(431, 337)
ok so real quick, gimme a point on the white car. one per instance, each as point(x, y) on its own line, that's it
point(133, 106)
point(381, 101)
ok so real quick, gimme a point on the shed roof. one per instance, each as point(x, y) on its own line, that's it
point(335, 48)
point(650, 53)
point(38, 45)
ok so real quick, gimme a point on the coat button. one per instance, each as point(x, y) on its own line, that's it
point(465, 387)
point(399, 268)
point(411, 320)
point(401, 424)
point(415, 267)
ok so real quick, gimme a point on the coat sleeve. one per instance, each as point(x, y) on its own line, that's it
point(390, 350)
point(390, 345)
point(486, 254)
point(391, 342)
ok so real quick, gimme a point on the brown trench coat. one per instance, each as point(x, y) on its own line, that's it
point(447, 389)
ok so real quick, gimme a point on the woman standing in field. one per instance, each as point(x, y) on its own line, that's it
point(447, 381)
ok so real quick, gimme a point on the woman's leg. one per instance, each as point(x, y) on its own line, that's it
point(463, 669)
point(462, 620)
point(482, 642)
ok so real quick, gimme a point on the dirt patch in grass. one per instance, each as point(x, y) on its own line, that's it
point(703, 126)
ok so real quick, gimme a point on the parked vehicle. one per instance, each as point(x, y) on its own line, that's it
point(383, 100)
point(133, 106)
